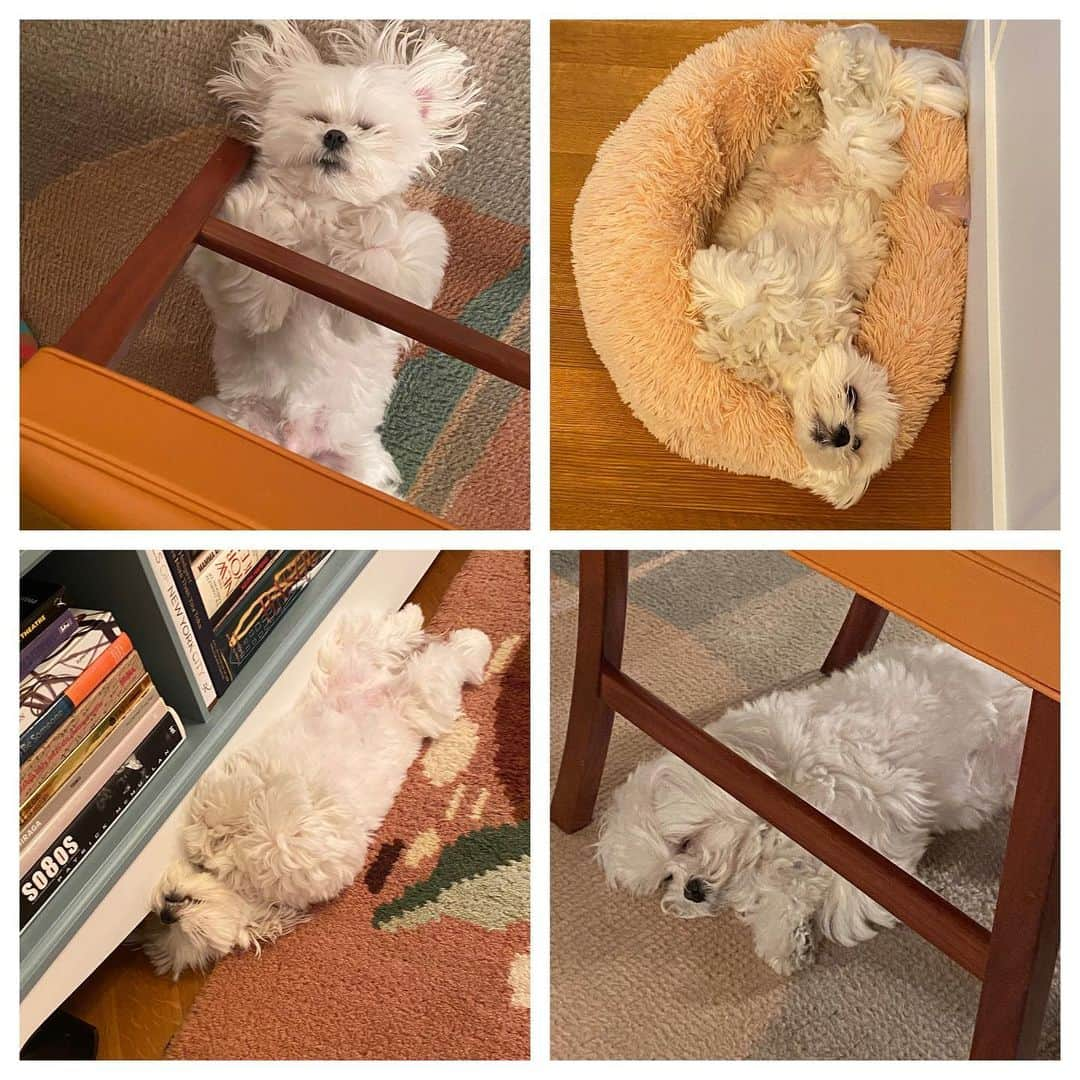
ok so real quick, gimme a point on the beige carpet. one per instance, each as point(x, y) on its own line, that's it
point(706, 630)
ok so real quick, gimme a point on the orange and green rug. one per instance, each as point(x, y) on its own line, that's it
point(427, 954)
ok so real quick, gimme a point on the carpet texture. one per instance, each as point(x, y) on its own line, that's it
point(705, 631)
point(427, 954)
point(138, 124)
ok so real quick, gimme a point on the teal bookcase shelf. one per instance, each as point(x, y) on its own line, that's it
point(122, 582)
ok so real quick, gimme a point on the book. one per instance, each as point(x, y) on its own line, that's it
point(259, 610)
point(98, 704)
point(39, 603)
point(80, 786)
point(193, 656)
point(101, 735)
point(220, 574)
point(48, 640)
point(71, 846)
point(245, 585)
point(49, 694)
point(183, 577)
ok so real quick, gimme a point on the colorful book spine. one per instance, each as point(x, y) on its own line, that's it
point(77, 692)
point(221, 575)
point(174, 603)
point(216, 664)
point(260, 609)
point(88, 715)
point(244, 587)
point(72, 845)
point(101, 735)
point(81, 786)
point(54, 635)
point(39, 603)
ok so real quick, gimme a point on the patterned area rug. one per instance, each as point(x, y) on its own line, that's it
point(427, 955)
point(706, 630)
point(139, 124)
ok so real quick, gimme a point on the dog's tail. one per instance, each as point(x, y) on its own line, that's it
point(928, 80)
point(436, 676)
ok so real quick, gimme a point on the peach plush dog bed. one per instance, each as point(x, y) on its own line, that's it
point(641, 215)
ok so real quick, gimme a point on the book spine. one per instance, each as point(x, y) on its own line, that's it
point(263, 606)
point(42, 882)
point(53, 635)
point(77, 692)
point(220, 672)
point(244, 587)
point(178, 614)
point(141, 712)
point(97, 706)
point(44, 612)
point(219, 578)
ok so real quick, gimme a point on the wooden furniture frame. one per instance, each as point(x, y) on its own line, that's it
point(1015, 960)
point(103, 330)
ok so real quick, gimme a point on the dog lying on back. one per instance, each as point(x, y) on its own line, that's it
point(285, 823)
point(779, 292)
point(337, 145)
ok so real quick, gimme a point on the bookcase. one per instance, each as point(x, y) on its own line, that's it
point(122, 582)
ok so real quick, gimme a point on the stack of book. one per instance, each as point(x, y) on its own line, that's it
point(93, 730)
point(223, 604)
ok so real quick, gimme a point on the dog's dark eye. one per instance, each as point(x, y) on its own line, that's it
point(667, 880)
point(684, 845)
point(364, 125)
point(852, 398)
point(176, 898)
point(317, 117)
point(856, 443)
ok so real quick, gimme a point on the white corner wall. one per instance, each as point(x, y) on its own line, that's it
point(1006, 388)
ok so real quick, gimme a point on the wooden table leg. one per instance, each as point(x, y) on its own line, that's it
point(1024, 940)
point(601, 626)
point(858, 634)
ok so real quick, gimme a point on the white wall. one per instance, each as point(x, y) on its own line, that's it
point(1006, 409)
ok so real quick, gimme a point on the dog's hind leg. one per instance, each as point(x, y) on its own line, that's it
point(434, 679)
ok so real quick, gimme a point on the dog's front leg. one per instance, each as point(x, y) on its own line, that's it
point(783, 931)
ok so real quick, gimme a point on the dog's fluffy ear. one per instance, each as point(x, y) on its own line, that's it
point(256, 59)
point(436, 73)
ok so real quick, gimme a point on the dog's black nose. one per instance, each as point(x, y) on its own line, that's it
point(167, 915)
point(694, 890)
point(841, 436)
point(334, 139)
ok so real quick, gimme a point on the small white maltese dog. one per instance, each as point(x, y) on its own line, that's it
point(336, 146)
point(285, 823)
point(779, 293)
point(906, 743)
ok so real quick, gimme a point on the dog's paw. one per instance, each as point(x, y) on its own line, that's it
point(800, 957)
point(475, 649)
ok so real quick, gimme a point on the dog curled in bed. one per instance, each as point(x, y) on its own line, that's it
point(336, 146)
point(284, 823)
point(778, 294)
point(905, 744)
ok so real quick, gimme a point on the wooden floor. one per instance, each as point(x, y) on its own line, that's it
point(135, 1011)
point(607, 471)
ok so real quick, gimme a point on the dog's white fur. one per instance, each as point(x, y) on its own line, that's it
point(285, 823)
point(337, 144)
point(906, 743)
point(779, 292)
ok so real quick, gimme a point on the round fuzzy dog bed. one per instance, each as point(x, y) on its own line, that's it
point(644, 210)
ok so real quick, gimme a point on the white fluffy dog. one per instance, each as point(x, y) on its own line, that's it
point(779, 293)
point(285, 823)
point(906, 743)
point(336, 146)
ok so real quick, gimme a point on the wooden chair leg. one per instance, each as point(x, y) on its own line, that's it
point(601, 626)
point(858, 634)
point(1024, 940)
